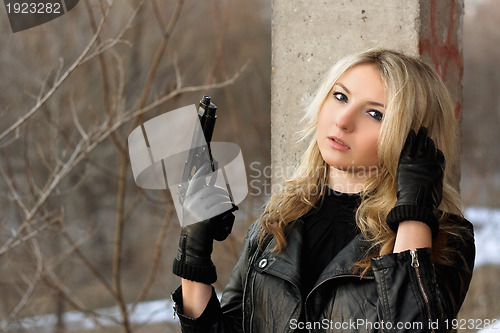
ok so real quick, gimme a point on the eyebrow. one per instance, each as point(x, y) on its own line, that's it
point(348, 91)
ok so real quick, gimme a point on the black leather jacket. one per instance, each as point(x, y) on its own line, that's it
point(403, 292)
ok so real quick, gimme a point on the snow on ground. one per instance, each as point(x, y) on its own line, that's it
point(487, 233)
point(152, 312)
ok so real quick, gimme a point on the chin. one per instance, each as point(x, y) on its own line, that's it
point(342, 167)
point(355, 168)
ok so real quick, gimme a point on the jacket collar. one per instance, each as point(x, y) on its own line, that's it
point(286, 264)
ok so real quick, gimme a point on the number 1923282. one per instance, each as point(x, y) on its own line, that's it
point(34, 7)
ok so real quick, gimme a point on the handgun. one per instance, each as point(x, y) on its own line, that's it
point(200, 152)
point(199, 155)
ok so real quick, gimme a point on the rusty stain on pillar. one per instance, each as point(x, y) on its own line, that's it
point(440, 44)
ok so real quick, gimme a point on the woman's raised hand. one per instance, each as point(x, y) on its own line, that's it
point(419, 182)
point(193, 260)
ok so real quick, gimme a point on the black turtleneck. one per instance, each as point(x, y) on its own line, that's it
point(326, 231)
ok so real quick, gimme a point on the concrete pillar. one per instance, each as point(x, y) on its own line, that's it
point(308, 36)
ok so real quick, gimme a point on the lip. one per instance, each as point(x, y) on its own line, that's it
point(337, 143)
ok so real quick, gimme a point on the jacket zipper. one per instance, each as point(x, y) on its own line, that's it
point(252, 261)
point(415, 264)
point(332, 278)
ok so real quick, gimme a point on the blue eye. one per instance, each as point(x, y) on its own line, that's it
point(340, 97)
point(375, 114)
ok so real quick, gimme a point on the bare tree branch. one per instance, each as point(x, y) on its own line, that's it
point(73, 150)
point(32, 282)
point(84, 147)
point(13, 191)
point(77, 123)
point(157, 255)
point(54, 282)
point(57, 84)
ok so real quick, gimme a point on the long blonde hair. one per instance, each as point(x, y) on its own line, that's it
point(416, 97)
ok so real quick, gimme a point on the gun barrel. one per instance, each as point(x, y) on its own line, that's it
point(202, 109)
point(209, 122)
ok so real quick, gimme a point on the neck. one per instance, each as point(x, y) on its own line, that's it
point(346, 181)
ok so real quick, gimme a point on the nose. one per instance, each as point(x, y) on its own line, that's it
point(345, 119)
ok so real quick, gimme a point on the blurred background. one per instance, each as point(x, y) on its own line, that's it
point(82, 248)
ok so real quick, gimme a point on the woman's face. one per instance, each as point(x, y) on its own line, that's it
point(349, 120)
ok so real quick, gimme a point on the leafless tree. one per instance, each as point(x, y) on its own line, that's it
point(64, 162)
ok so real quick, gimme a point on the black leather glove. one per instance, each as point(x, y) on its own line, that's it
point(193, 260)
point(419, 182)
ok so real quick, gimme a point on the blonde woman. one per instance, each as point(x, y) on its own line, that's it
point(366, 236)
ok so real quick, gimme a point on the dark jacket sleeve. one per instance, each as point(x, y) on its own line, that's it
point(416, 295)
point(226, 316)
